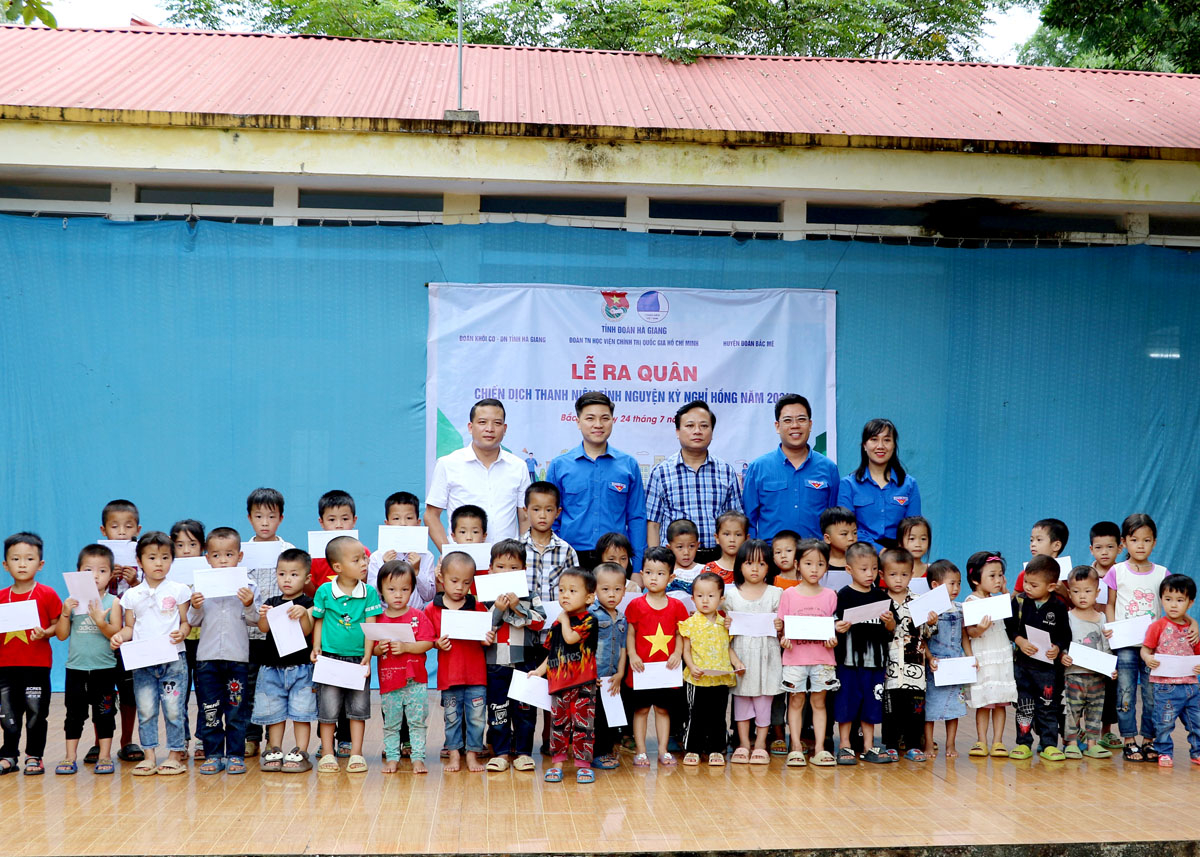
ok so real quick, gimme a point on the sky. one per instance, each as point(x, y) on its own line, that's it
point(1006, 33)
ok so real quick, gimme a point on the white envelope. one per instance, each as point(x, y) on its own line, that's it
point(657, 675)
point(466, 624)
point(150, 652)
point(1102, 595)
point(936, 600)
point(752, 624)
point(1093, 659)
point(352, 676)
point(124, 551)
point(553, 611)
point(403, 540)
point(999, 607)
point(530, 689)
point(489, 587)
point(626, 600)
point(318, 539)
point(81, 586)
point(261, 554)
point(809, 628)
point(1176, 666)
point(866, 612)
point(836, 580)
point(401, 632)
point(220, 582)
point(953, 671)
point(919, 586)
point(1041, 639)
point(1129, 632)
point(684, 599)
point(183, 570)
point(1064, 566)
point(614, 709)
point(481, 553)
point(19, 616)
point(285, 631)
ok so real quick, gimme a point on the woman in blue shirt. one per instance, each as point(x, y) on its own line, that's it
point(879, 491)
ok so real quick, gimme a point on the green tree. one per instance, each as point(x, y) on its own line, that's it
point(27, 11)
point(1146, 35)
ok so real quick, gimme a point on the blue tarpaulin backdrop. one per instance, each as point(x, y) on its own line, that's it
point(181, 366)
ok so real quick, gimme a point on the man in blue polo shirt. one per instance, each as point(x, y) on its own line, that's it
point(601, 487)
point(789, 488)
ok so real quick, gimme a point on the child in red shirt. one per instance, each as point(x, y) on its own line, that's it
point(1175, 697)
point(335, 511)
point(402, 675)
point(25, 656)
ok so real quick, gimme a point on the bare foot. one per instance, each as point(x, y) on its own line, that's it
point(473, 763)
point(951, 753)
point(453, 762)
point(419, 767)
point(390, 766)
point(178, 756)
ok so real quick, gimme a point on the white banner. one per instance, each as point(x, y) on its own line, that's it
point(537, 348)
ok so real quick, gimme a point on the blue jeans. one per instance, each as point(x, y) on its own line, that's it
point(464, 709)
point(224, 707)
point(1177, 702)
point(1132, 673)
point(161, 685)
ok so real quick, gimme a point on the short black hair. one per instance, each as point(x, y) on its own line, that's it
point(710, 577)
point(896, 556)
point(454, 558)
point(860, 549)
point(1043, 566)
point(588, 578)
point(1135, 522)
point(751, 550)
point(333, 499)
point(96, 552)
point(803, 546)
point(487, 403)
point(510, 548)
point(682, 527)
point(268, 498)
point(835, 515)
point(1104, 529)
point(1180, 583)
point(976, 562)
point(24, 538)
point(621, 542)
point(910, 523)
point(693, 405)
point(940, 569)
point(118, 506)
point(1056, 529)
point(334, 548)
point(787, 535)
point(191, 526)
point(396, 568)
point(468, 510)
point(659, 553)
point(593, 398)
point(543, 488)
point(733, 515)
point(610, 567)
point(154, 539)
point(1083, 572)
point(218, 533)
point(295, 555)
point(401, 498)
point(791, 399)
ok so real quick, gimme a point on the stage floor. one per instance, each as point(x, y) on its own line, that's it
point(961, 802)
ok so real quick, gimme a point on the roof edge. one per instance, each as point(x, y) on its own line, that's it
point(582, 133)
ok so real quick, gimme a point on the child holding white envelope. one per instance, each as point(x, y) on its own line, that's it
point(1083, 688)
point(1176, 697)
point(403, 679)
point(946, 703)
point(904, 688)
point(995, 686)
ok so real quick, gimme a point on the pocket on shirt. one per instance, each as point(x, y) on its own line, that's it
point(774, 486)
point(615, 496)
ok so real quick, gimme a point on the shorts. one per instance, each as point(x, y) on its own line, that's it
point(668, 700)
point(284, 693)
point(334, 702)
point(756, 708)
point(810, 677)
point(860, 696)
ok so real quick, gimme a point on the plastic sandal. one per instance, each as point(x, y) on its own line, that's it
point(171, 768)
point(1149, 753)
point(357, 765)
point(977, 749)
point(795, 759)
point(1111, 742)
point(1020, 753)
point(1097, 752)
point(583, 776)
point(915, 755)
point(1053, 754)
point(666, 760)
point(1132, 753)
point(235, 765)
point(1195, 760)
point(343, 750)
point(1072, 751)
point(641, 760)
point(295, 762)
point(846, 756)
point(716, 760)
point(103, 766)
point(212, 765)
point(328, 765)
point(198, 753)
point(8, 766)
point(606, 763)
point(131, 753)
point(1165, 761)
point(824, 759)
point(251, 749)
point(145, 768)
point(523, 763)
point(34, 766)
point(893, 755)
point(999, 750)
point(554, 775)
point(66, 768)
point(496, 765)
point(691, 760)
point(90, 757)
point(779, 747)
point(272, 760)
point(876, 756)
point(741, 756)
point(760, 757)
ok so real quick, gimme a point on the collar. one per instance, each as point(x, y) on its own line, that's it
point(578, 453)
point(470, 455)
point(783, 459)
point(359, 591)
point(439, 601)
point(677, 460)
point(866, 475)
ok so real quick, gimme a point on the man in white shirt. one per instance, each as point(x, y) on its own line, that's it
point(482, 474)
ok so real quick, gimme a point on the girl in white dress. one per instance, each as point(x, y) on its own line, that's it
point(762, 656)
point(994, 687)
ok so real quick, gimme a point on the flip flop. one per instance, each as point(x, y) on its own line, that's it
point(171, 768)
point(343, 749)
point(1132, 753)
point(1111, 741)
point(779, 747)
point(357, 765)
point(103, 766)
point(555, 775)
point(66, 768)
point(295, 762)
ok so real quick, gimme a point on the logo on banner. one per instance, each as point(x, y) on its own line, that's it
point(616, 304)
point(816, 483)
point(653, 306)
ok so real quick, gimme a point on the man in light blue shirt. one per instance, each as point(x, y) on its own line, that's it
point(601, 487)
point(789, 488)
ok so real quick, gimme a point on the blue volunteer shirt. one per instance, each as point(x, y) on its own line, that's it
point(879, 510)
point(598, 497)
point(777, 496)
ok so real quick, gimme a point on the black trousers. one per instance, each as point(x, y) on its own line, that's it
point(1038, 705)
point(94, 690)
point(24, 695)
point(705, 730)
point(903, 719)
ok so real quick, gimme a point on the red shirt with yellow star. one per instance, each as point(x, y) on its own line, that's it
point(18, 648)
point(654, 630)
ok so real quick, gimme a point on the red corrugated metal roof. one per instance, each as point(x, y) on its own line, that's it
point(255, 74)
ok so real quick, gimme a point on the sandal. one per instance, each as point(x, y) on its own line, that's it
point(795, 759)
point(235, 765)
point(251, 749)
point(295, 762)
point(1149, 753)
point(496, 764)
point(328, 765)
point(343, 750)
point(103, 766)
point(1132, 753)
point(212, 765)
point(691, 760)
point(846, 756)
point(716, 760)
point(1111, 741)
point(131, 753)
point(66, 768)
point(1165, 761)
point(999, 751)
point(1053, 754)
point(977, 749)
point(824, 758)
point(90, 757)
point(779, 747)
point(605, 763)
point(583, 776)
point(272, 760)
point(1072, 751)
point(1096, 752)
point(741, 756)
point(198, 753)
point(171, 768)
point(760, 757)
point(641, 760)
point(145, 768)
point(914, 755)
point(1020, 753)
point(524, 763)
point(554, 775)
point(357, 765)
point(7, 766)
point(34, 766)
point(876, 756)
point(666, 760)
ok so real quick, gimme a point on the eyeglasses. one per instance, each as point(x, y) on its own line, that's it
point(788, 422)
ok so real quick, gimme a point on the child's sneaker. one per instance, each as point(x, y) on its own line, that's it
point(1164, 761)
